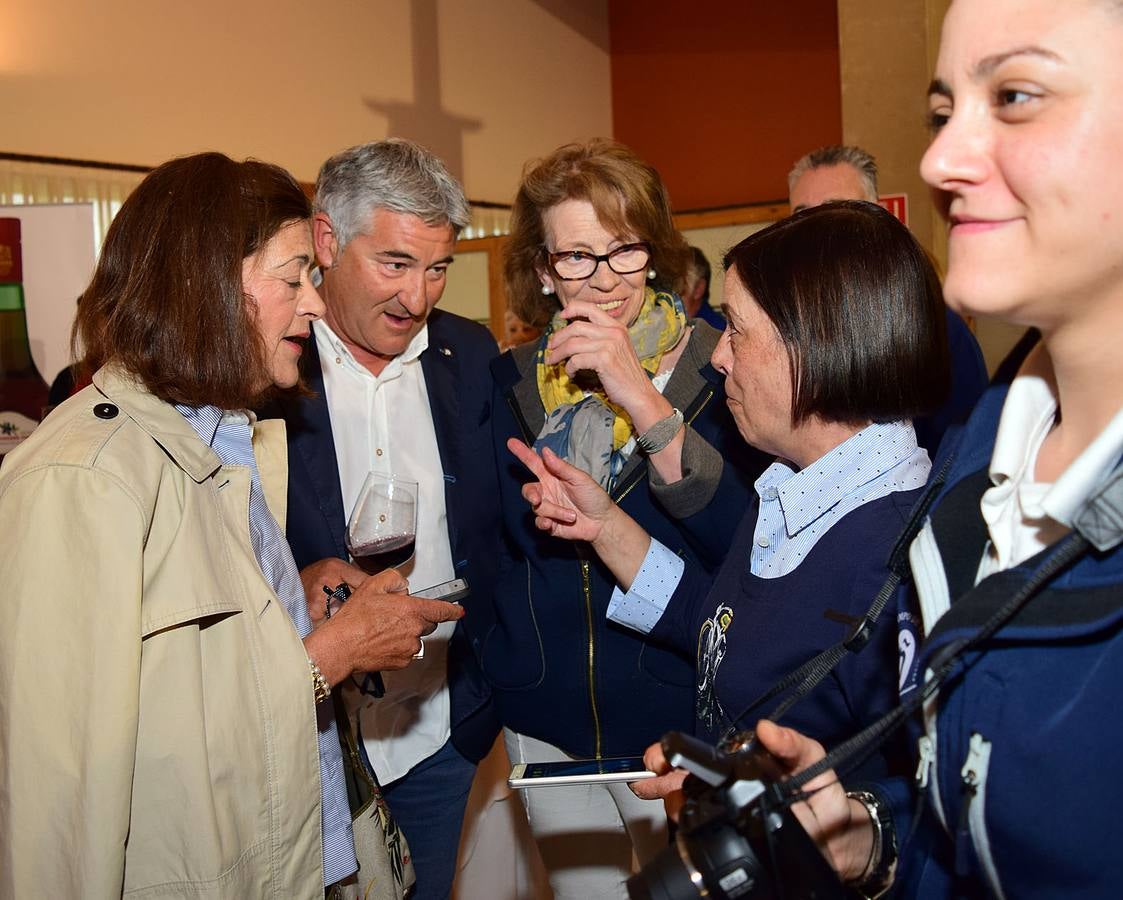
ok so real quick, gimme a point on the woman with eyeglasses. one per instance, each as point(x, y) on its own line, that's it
point(619, 385)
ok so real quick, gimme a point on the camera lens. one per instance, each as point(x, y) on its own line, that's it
point(664, 878)
point(719, 854)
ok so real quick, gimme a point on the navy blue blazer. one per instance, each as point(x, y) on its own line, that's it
point(457, 379)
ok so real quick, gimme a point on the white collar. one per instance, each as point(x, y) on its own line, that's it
point(328, 339)
point(1027, 416)
point(808, 494)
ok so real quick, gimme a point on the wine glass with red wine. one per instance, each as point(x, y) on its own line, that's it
point(383, 526)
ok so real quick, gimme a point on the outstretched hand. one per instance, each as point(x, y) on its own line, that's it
point(566, 502)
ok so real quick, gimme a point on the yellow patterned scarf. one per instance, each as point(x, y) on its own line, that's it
point(576, 418)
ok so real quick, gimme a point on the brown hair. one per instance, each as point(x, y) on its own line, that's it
point(859, 308)
point(629, 198)
point(166, 300)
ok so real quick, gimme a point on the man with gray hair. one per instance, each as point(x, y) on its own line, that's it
point(400, 389)
point(837, 172)
point(844, 172)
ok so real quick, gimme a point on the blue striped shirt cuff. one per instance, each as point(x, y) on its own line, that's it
point(644, 604)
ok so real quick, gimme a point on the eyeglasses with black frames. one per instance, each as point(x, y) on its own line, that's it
point(577, 265)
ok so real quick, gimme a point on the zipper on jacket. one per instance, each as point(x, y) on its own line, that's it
point(587, 590)
point(927, 753)
point(621, 491)
point(972, 814)
point(929, 745)
point(617, 496)
point(699, 404)
point(520, 419)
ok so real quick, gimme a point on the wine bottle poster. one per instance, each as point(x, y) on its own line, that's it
point(59, 247)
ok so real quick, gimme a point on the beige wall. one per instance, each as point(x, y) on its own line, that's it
point(886, 53)
point(467, 290)
point(714, 242)
point(485, 84)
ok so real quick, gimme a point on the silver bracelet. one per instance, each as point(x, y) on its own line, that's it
point(877, 877)
point(660, 434)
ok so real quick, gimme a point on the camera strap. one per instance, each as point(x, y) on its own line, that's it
point(1098, 525)
point(946, 662)
point(803, 680)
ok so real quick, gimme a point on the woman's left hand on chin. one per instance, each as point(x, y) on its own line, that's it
point(594, 341)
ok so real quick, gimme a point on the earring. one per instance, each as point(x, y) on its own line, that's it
point(650, 274)
point(547, 290)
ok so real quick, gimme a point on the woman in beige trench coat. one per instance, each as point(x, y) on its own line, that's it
point(162, 724)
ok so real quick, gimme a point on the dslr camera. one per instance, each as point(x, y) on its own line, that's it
point(737, 836)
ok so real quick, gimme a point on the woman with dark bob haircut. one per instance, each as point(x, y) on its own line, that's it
point(620, 385)
point(835, 339)
point(162, 723)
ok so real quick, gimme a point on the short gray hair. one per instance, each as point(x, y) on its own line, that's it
point(394, 174)
point(836, 155)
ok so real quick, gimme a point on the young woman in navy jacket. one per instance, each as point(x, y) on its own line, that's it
point(1017, 758)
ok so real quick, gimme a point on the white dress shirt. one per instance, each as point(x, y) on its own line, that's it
point(382, 423)
point(1023, 515)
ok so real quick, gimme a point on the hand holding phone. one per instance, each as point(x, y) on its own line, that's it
point(451, 591)
point(372, 683)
